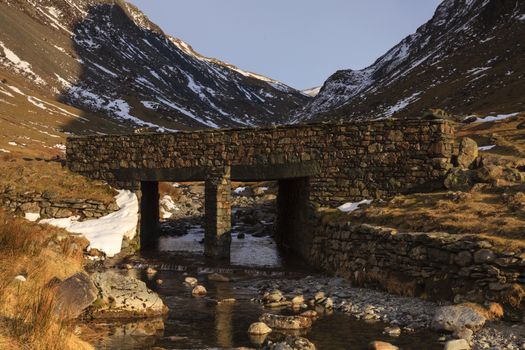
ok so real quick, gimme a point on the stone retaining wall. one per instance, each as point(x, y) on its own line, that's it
point(48, 206)
point(438, 266)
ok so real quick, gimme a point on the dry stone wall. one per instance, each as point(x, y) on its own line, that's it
point(52, 207)
point(439, 266)
point(355, 160)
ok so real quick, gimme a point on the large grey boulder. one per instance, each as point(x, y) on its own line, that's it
point(122, 296)
point(455, 318)
point(74, 295)
point(468, 152)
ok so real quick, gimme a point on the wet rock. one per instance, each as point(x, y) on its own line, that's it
point(468, 152)
point(191, 281)
point(124, 296)
point(455, 318)
point(381, 345)
point(151, 271)
point(298, 300)
point(74, 295)
point(241, 236)
point(273, 296)
point(227, 301)
point(310, 314)
point(159, 281)
point(286, 322)
point(393, 331)
point(216, 277)
point(291, 343)
point(278, 304)
point(464, 334)
point(458, 344)
point(259, 328)
point(199, 291)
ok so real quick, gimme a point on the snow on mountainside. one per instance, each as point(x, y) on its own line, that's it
point(312, 92)
point(469, 58)
point(117, 71)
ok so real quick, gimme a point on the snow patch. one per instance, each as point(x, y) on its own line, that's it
point(400, 105)
point(107, 232)
point(20, 65)
point(486, 148)
point(492, 118)
point(353, 206)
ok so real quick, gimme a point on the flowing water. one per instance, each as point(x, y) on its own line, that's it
point(205, 323)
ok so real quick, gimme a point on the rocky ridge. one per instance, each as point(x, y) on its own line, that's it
point(469, 58)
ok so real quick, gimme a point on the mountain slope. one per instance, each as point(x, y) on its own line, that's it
point(469, 58)
point(120, 71)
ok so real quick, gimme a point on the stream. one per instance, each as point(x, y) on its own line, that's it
point(207, 323)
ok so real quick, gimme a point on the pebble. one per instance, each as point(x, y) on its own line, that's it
point(199, 291)
point(392, 331)
point(192, 281)
point(409, 314)
point(20, 278)
point(159, 281)
point(151, 271)
point(259, 328)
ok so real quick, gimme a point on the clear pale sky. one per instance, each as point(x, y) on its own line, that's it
point(299, 42)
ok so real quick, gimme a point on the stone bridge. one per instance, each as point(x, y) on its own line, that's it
point(315, 165)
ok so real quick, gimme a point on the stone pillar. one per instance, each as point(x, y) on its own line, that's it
point(217, 209)
point(293, 216)
point(149, 214)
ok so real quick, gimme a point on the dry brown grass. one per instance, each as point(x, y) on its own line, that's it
point(39, 175)
point(27, 317)
point(509, 140)
point(487, 213)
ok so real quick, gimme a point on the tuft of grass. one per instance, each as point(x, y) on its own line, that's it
point(51, 177)
point(27, 309)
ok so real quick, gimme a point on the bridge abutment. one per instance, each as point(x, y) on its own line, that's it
point(217, 211)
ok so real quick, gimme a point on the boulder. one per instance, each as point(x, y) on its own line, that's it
point(381, 345)
point(291, 343)
point(455, 318)
point(122, 296)
point(259, 328)
point(458, 344)
point(286, 322)
point(74, 295)
point(468, 152)
point(459, 180)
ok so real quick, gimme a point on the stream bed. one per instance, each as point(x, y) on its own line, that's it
point(208, 323)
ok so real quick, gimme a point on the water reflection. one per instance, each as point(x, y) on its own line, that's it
point(247, 251)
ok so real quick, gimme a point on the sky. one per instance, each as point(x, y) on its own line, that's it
point(298, 42)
